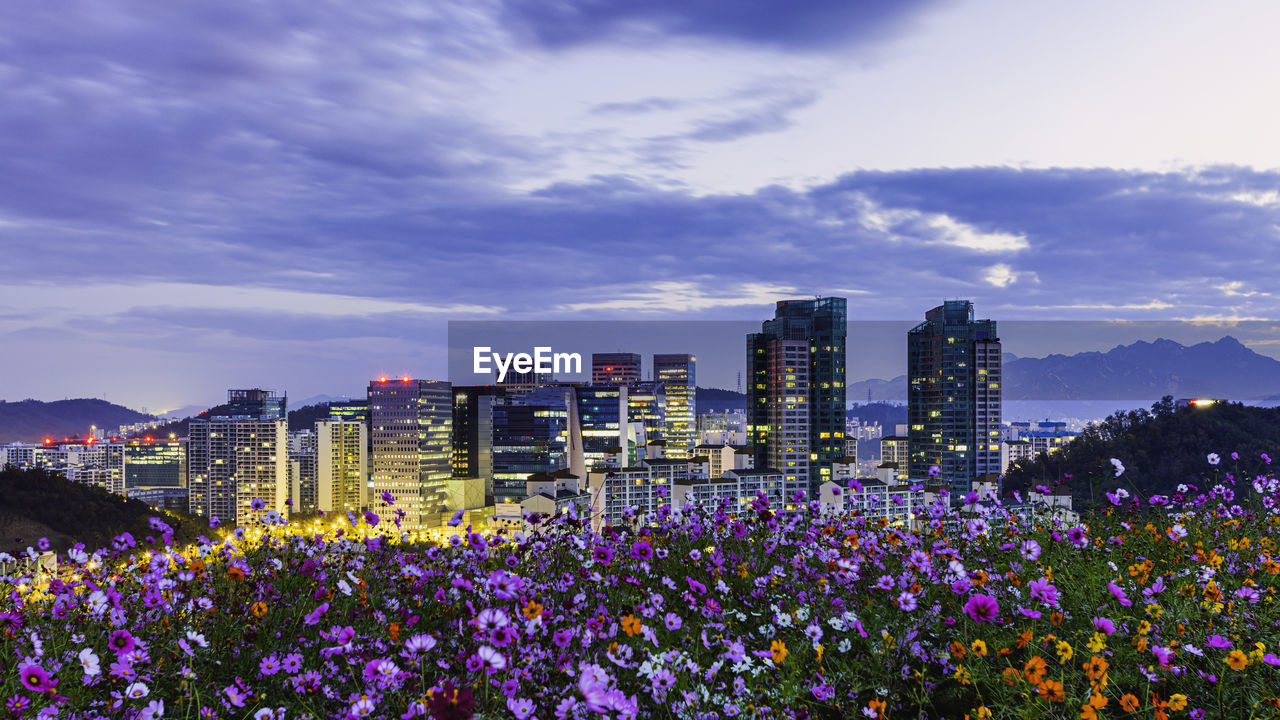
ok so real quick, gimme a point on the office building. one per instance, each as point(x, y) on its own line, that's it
point(602, 415)
point(473, 433)
point(647, 406)
point(615, 368)
point(410, 449)
point(678, 376)
point(953, 401)
point(154, 463)
point(303, 491)
point(342, 465)
point(357, 410)
point(530, 435)
point(257, 403)
point(796, 390)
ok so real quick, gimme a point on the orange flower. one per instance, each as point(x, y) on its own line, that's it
point(957, 649)
point(1034, 670)
point(1095, 668)
point(877, 706)
point(258, 609)
point(779, 650)
point(1056, 618)
point(1177, 701)
point(631, 625)
point(1024, 637)
point(1237, 660)
point(531, 610)
point(235, 573)
point(979, 648)
point(1010, 676)
point(1051, 690)
point(1129, 703)
point(393, 631)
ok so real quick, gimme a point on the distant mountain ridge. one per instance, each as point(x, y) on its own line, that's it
point(34, 420)
point(1225, 368)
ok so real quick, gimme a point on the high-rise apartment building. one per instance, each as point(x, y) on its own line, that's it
point(678, 377)
point(410, 448)
point(796, 390)
point(233, 461)
point(953, 395)
point(342, 465)
point(615, 368)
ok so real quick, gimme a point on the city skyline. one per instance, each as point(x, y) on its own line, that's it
point(242, 197)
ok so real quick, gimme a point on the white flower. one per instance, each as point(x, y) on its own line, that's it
point(1119, 466)
point(137, 690)
point(89, 661)
point(1214, 459)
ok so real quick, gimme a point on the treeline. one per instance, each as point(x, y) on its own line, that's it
point(1159, 448)
point(38, 503)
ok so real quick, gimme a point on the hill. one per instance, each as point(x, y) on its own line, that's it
point(717, 400)
point(303, 418)
point(887, 414)
point(37, 503)
point(1159, 449)
point(33, 420)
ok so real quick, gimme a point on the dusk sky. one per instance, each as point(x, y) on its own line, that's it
point(301, 194)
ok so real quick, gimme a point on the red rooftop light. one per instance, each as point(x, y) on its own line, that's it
point(382, 379)
point(405, 378)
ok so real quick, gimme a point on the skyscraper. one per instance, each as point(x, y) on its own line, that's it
point(530, 435)
point(796, 390)
point(677, 375)
point(473, 432)
point(953, 395)
point(342, 465)
point(410, 448)
point(615, 368)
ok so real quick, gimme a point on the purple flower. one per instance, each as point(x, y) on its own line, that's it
point(313, 617)
point(1118, 593)
point(602, 555)
point(35, 679)
point(981, 608)
point(121, 641)
point(1217, 641)
point(388, 498)
point(257, 504)
point(1104, 626)
point(642, 550)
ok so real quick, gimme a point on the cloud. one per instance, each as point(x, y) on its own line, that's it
point(794, 25)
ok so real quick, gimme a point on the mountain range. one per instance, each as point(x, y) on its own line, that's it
point(1221, 369)
point(1142, 370)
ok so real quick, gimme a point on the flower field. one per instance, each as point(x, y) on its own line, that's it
point(1157, 607)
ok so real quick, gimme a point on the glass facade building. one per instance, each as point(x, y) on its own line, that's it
point(678, 377)
point(795, 375)
point(953, 400)
point(410, 448)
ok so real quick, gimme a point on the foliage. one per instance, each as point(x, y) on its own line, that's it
point(1149, 610)
point(1160, 449)
point(74, 510)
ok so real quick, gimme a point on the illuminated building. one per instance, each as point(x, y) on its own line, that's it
point(303, 490)
point(677, 374)
point(615, 368)
point(647, 406)
point(342, 465)
point(154, 463)
point(530, 435)
point(953, 396)
point(796, 390)
point(410, 448)
point(472, 458)
point(233, 461)
point(258, 403)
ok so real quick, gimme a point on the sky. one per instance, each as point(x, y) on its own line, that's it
point(303, 194)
